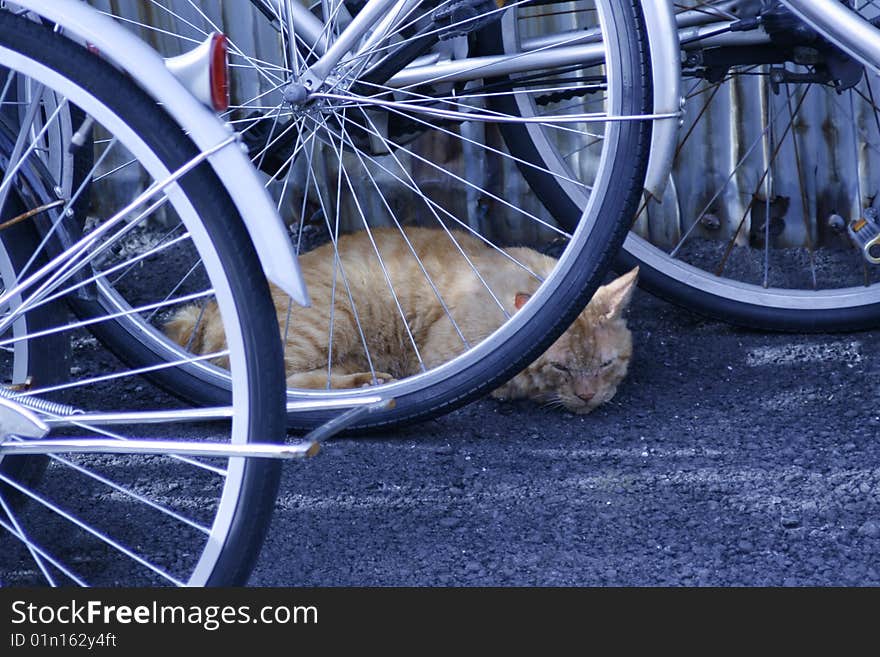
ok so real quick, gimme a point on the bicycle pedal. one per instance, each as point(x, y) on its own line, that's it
point(865, 234)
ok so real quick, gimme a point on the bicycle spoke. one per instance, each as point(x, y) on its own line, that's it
point(338, 265)
point(433, 206)
point(41, 556)
point(459, 248)
point(803, 193)
point(469, 184)
point(496, 151)
point(158, 305)
point(17, 531)
point(135, 497)
point(768, 189)
point(67, 264)
point(411, 248)
point(386, 276)
point(203, 467)
point(127, 266)
point(465, 114)
point(127, 373)
point(63, 267)
point(775, 151)
point(758, 141)
point(20, 153)
point(107, 540)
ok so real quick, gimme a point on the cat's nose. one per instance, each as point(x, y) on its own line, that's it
point(586, 396)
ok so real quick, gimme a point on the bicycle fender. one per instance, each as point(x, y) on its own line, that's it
point(130, 54)
point(665, 55)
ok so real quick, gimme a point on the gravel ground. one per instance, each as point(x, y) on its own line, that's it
point(835, 266)
point(727, 458)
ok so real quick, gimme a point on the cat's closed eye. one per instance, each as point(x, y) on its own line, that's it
point(607, 363)
point(560, 367)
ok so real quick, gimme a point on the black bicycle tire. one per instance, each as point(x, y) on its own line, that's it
point(574, 289)
point(47, 362)
point(751, 316)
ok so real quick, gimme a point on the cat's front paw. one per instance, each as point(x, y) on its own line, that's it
point(365, 379)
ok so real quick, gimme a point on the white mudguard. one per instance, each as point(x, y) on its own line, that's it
point(147, 68)
point(666, 72)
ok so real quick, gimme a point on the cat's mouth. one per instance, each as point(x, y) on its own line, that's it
point(578, 406)
point(581, 408)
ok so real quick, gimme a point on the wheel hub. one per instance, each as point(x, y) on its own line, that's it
point(295, 94)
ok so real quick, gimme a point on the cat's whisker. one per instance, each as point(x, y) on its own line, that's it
point(554, 401)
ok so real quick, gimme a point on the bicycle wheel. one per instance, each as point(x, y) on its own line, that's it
point(774, 159)
point(156, 211)
point(385, 148)
point(43, 359)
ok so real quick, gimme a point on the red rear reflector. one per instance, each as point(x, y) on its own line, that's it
point(219, 73)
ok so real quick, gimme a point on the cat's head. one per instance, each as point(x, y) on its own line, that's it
point(583, 368)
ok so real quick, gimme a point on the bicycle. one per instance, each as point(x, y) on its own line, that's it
point(373, 140)
point(745, 241)
point(752, 228)
point(91, 453)
point(726, 279)
point(101, 256)
point(485, 364)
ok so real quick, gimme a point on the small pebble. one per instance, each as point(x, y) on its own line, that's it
point(870, 528)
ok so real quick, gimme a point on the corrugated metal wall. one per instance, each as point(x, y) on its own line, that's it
point(828, 162)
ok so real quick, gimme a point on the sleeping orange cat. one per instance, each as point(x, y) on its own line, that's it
point(580, 371)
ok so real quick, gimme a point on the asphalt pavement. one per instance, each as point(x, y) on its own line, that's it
point(728, 457)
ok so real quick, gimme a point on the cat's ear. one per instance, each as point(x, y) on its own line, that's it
point(520, 300)
point(615, 296)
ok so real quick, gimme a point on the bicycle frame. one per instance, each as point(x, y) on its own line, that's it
point(18, 421)
point(846, 29)
point(834, 20)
